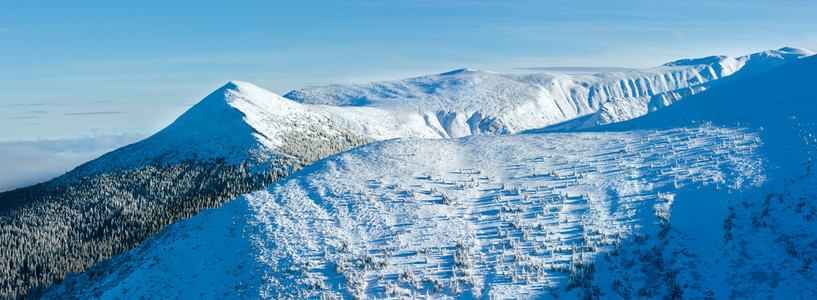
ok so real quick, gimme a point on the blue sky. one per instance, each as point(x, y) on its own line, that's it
point(93, 68)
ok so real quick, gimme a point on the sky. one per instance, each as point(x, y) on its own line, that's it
point(79, 70)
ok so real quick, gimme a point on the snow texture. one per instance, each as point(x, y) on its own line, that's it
point(239, 122)
point(467, 101)
point(391, 217)
point(713, 70)
point(238, 139)
point(710, 197)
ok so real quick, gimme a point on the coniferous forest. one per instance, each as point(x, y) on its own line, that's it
point(74, 221)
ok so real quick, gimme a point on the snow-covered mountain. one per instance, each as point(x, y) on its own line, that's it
point(242, 138)
point(239, 123)
point(623, 108)
point(491, 215)
point(466, 101)
point(712, 197)
point(238, 139)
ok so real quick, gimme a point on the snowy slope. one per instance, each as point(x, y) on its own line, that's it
point(622, 109)
point(467, 101)
point(489, 215)
point(239, 122)
point(238, 139)
point(772, 236)
point(709, 197)
point(770, 231)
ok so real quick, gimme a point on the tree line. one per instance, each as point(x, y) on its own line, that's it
point(79, 219)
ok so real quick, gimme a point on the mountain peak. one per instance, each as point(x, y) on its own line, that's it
point(788, 53)
point(784, 54)
point(461, 71)
point(709, 60)
point(237, 85)
point(796, 50)
point(244, 97)
point(239, 122)
point(240, 90)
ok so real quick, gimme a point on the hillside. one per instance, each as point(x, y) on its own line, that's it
point(240, 123)
point(712, 197)
point(622, 109)
point(238, 139)
point(242, 138)
point(506, 216)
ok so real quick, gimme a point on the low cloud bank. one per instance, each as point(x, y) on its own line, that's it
point(23, 163)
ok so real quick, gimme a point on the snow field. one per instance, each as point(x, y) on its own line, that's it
point(682, 209)
point(502, 216)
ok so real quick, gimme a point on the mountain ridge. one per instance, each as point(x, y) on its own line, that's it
point(241, 138)
point(238, 139)
point(465, 101)
point(723, 68)
point(673, 204)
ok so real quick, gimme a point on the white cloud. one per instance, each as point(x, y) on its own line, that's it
point(24, 163)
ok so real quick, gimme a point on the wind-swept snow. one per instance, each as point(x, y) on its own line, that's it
point(715, 67)
point(506, 216)
point(239, 139)
point(699, 205)
point(239, 122)
point(681, 202)
point(467, 101)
